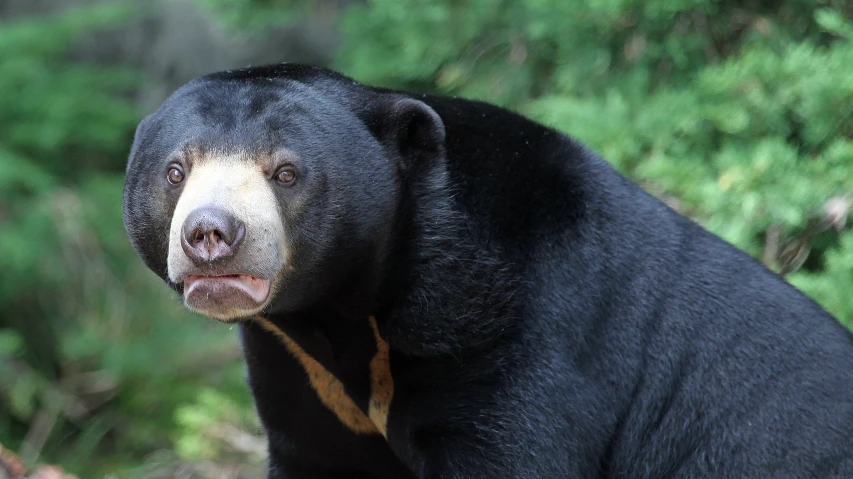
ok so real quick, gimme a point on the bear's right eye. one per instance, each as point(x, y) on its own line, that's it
point(175, 175)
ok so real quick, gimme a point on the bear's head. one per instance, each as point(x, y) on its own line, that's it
point(275, 189)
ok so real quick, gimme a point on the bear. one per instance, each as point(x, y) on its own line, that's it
point(435, 287)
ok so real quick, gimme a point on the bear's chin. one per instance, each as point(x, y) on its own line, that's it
point(226, 298)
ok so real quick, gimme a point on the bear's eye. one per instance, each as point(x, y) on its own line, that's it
point(175, 175)
point(285, 175)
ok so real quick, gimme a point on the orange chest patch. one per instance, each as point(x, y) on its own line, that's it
point(331, 391)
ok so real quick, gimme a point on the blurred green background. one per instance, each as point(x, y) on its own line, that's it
point(739, 114)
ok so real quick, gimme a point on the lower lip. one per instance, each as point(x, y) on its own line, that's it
point(250, 288)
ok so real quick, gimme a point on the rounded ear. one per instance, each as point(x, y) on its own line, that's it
point(410, 127)
point(141, 132)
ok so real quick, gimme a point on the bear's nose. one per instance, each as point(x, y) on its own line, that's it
point(210, 234)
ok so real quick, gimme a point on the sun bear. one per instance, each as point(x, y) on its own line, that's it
point(433, 287)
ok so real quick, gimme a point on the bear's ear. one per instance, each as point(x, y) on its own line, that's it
point(140, 135)
point(409, 126)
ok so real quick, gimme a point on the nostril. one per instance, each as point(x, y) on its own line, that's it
point(238, 235)
point(210, 234)
point(209, 239)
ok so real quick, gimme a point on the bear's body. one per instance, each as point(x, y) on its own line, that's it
point(544, 317)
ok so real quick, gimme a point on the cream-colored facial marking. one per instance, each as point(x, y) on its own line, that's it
point(238, 185)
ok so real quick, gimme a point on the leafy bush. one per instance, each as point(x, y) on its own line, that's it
point(95, 356)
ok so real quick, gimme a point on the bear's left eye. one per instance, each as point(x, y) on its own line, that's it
point(285, 175)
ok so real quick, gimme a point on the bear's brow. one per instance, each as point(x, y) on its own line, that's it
point(269, 161)
point(191, 153)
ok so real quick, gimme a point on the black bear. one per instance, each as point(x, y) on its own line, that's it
point(432, 287)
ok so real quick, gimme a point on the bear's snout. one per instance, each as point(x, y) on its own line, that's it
point(211, 234)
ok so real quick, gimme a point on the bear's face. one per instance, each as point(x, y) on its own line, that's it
point(267, 195)
point(227, 243)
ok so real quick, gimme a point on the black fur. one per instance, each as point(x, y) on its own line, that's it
point(547, 318)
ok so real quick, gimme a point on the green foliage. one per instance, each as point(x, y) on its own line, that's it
point(740, 116)
point(211, 424)
point(95, 354)
point(253, 15)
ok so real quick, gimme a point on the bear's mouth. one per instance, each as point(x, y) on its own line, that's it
point(222, 295)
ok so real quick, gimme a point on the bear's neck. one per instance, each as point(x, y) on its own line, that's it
point(444, 290)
